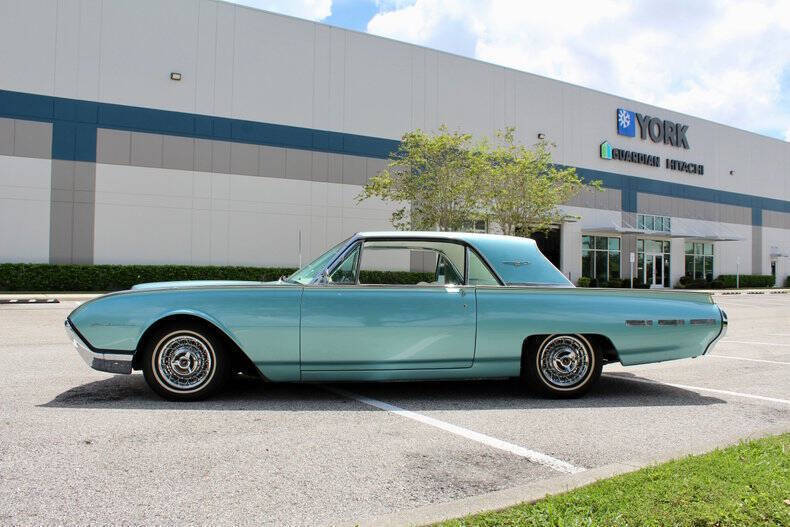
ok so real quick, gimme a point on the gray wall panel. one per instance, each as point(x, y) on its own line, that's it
point(84, 176)
point(203, 155)
point(147, 149)
point(32, 139)
point(72, 212)
point(272, 162)
point(220, 157)
point(373, 166)
point(82, 235)
point(298, 164)
point(607, 199)
point(60, 234)
point(320, 167)
point(335, 169)
point(62, 175)
point(6, 136)
point(178, 153)
point(757, 250)
point(113, 147)
point(692, 209)
point(353, 170)
point(776, 219)
point(244, 159)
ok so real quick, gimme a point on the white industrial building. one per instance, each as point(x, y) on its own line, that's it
point(202, 132)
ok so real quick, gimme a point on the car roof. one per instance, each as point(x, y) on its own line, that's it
point(470, 237)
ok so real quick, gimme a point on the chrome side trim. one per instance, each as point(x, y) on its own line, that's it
point(102, 361)
point(638, 322)
point(671, 322)
point(722, 331)
point(702, 321)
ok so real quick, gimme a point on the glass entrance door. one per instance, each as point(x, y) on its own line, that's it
point(653, 271)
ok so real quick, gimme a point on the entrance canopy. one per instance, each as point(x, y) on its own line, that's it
point(681, 228)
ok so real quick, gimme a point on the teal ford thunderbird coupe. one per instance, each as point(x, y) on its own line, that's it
point(383, 306)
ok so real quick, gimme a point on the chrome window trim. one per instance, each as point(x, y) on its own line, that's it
point(317, 280)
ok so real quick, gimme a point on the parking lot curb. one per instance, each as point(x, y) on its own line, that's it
point(533, 492)
point(47, 296)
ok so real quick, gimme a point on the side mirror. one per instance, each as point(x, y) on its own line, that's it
point(325, 279)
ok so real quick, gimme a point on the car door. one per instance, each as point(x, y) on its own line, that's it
point(357, 321)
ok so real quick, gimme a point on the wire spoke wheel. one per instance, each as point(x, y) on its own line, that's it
point(565, 361)
point(184, 361)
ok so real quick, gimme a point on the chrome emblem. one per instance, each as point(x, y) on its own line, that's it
point(516, 263)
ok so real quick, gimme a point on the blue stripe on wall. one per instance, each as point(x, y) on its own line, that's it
point(75, 123)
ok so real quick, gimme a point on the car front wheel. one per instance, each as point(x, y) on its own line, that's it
point(184, 362)
point(564, 365)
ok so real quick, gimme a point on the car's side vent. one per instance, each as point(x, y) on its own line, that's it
point(638, 322)
point(702, 321)
point(671, 322)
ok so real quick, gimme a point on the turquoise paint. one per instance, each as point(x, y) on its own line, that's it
point(518, 261)
point(372, 328)
point(362, 332)
point(263, 320)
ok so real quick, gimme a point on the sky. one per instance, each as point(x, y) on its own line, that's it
point(727, 61)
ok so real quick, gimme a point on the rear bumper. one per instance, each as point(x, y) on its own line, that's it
point(99, 360)
point(722, 332)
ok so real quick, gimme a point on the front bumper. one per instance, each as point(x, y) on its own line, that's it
point(99, 360)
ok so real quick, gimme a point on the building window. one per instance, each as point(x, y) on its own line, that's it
point(650, 222)
point(480, 226)
point(699, 261)
point(652, 267)
point(601, 257)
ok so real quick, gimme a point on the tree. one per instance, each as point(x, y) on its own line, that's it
point(434, 177)
point(522, 188)
point(446, 179)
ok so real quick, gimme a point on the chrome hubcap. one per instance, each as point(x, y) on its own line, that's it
point(564, 361)
point(184, 361)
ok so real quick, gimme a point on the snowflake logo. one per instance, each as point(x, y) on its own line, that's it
point(624, 119)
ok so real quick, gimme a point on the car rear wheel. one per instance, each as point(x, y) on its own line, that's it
point(563, 365)
point(185, 362)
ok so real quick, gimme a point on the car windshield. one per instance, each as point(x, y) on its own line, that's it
point(306, 274)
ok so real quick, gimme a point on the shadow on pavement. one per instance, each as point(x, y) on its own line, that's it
point(250, 394)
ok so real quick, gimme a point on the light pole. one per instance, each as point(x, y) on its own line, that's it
point(738, 273)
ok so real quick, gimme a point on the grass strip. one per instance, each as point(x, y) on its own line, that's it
point(743, 485)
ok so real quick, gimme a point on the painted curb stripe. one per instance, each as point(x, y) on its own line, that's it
point(30, 301)
point(751, 360)
point(755, 342)
point(535, 457)
point(701, 389)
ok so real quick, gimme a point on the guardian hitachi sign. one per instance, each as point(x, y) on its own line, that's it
point(658, 130)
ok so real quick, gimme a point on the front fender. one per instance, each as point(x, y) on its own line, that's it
point(263, 321)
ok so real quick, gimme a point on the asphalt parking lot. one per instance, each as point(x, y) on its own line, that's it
point(80, 446)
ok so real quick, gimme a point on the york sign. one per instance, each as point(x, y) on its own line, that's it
point(658, 130)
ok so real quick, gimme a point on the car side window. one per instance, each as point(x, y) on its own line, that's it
point(346, 272)
point(446, 273)
point(479, 273)
point(411, 262)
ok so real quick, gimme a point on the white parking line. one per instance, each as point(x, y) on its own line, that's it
point(701, 389)
point(535, 457)
point(755, 342)
point(745, 358)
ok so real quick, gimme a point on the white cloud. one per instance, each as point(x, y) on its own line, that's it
point(309, 9)
point(721, 60)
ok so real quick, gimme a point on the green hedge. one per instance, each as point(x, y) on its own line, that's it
point(394, 277)
point(46, 277)
point(748, 280)
point(787, 282)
